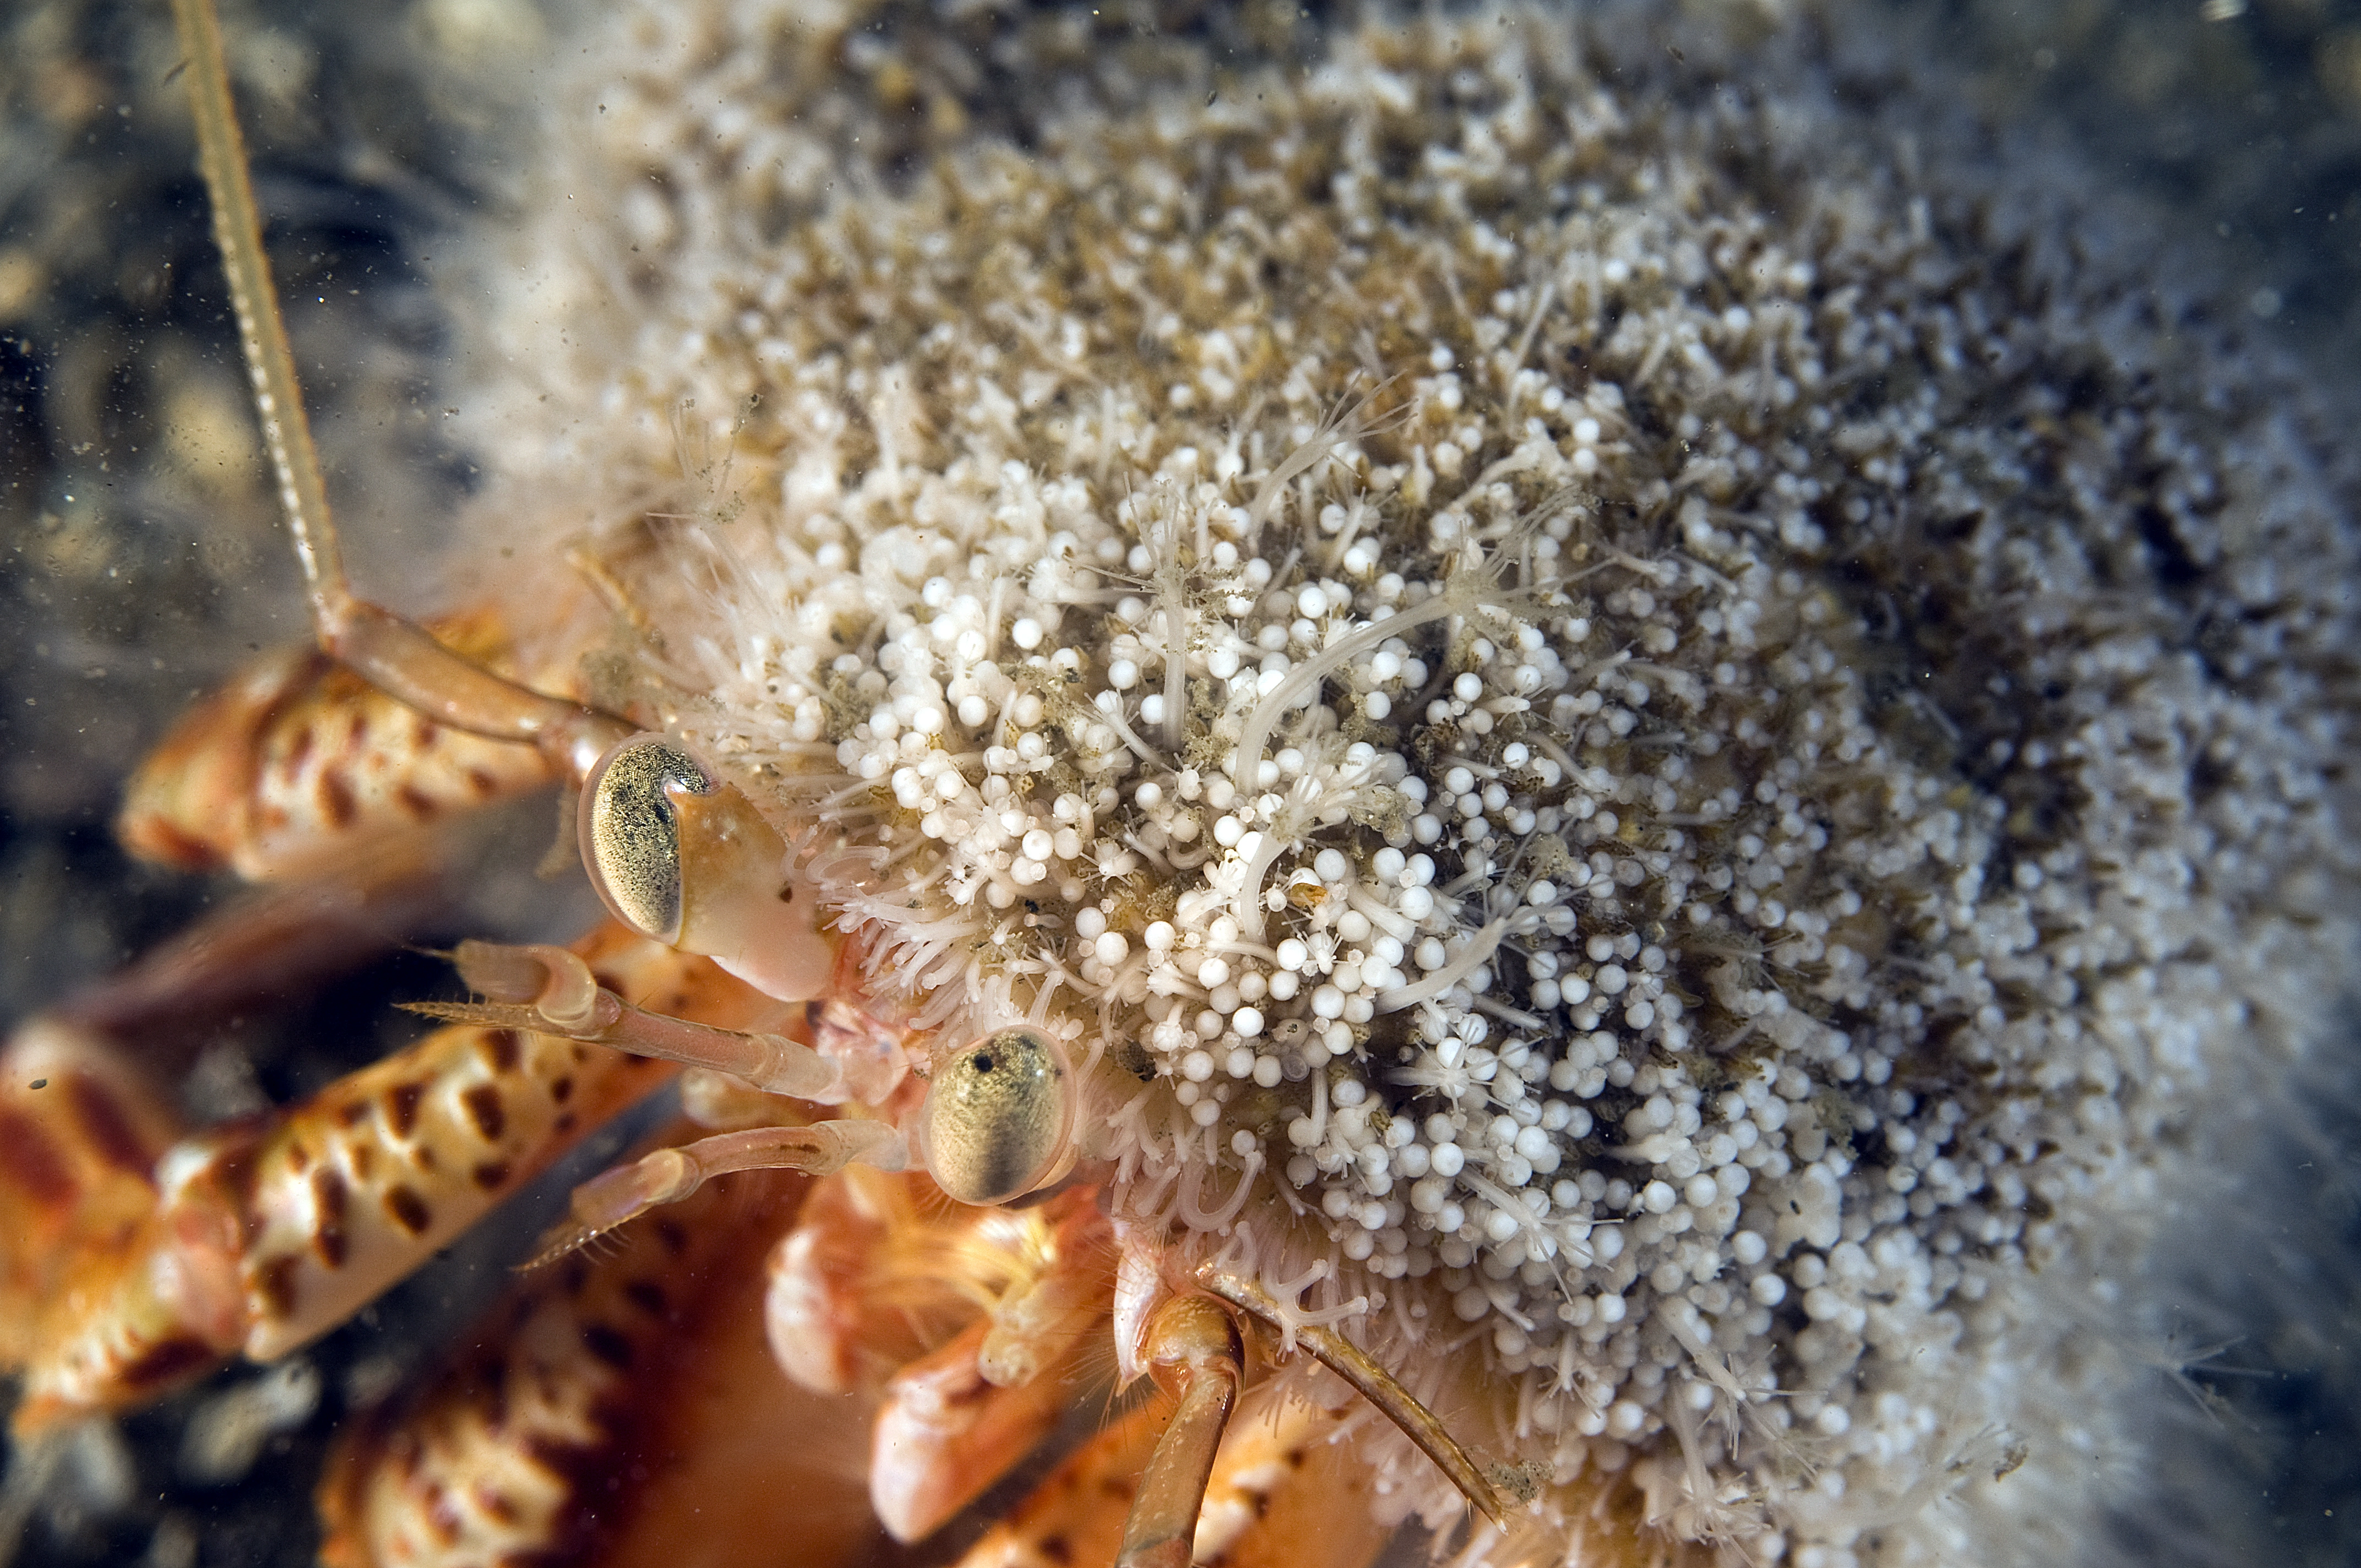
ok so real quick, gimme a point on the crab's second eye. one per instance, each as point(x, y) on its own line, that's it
point(631, 831)
point(681, 855)
point(998, 1117)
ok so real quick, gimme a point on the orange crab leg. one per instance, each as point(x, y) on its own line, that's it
point(1075, 1516)
point(947, 1433)
point(838, 1318)
point(1195, 1355)
point(79, 1135)
point(1372, 1382)
point(621, 1409)
point(1282, 1494)
point(1285, 1494)
point(259, 1238)
point(954, 1423)
point(297, 760)
point(615, 1197)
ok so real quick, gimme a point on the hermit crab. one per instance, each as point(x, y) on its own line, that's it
point(1489, 755)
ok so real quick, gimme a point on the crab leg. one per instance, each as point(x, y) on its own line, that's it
point(819, 1306)
point(257, 1238)
point(296, 762)
point(1286, 1494)
point(621, 1409)
point(80, 1134)
point(1075, 1516)
point(1195, 1355)
point(954, 1422)
point(551, 989)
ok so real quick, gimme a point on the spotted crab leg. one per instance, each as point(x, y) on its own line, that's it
point(553, 991)
point(297, 764)
point(620, 1407)
point(257, 1238)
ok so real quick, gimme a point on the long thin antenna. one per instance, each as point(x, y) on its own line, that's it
point(393, 654)
point(278, 396)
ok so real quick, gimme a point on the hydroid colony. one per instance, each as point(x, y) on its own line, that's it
point(1648, 756)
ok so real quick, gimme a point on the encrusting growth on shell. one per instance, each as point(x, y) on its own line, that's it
point(1603, 722)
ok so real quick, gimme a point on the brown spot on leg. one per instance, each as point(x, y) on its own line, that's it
point(32, 1161)
point(482, 1104)
point(107, 1128)
point(328, 1196)
point(647, 1296)
point(336, 801)
point(409, 1211)
point(561, 1089)
point(402, 1107)
point(416, 804)
point(490, 1174)
point(481, 784)
point(607, 1345)
point(274, 1283)
point(1057, 1549)
point(167, 1362)
point(352, 1114)
point(500, 1049)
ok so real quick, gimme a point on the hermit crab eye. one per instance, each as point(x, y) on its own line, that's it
point(630, 832)
point(998, 1119)
point(681, 855)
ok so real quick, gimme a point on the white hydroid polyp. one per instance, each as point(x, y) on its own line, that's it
point(1574, 704)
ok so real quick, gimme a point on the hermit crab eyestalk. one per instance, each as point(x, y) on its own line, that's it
point(998, 1122)
point(681, 855)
